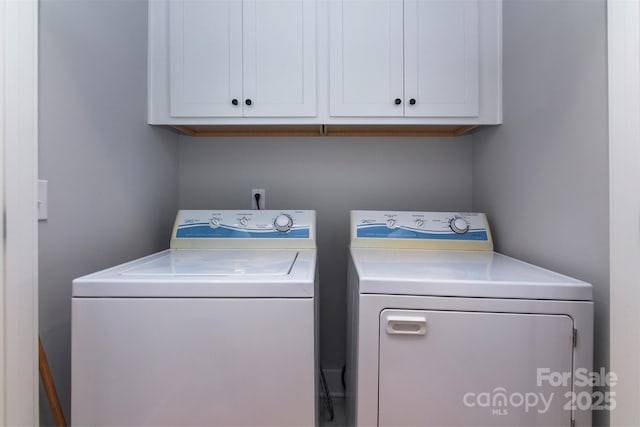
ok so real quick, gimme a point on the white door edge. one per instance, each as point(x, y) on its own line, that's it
point(18, 182)
point(624, 206)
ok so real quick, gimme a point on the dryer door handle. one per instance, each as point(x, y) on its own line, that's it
point(406, 325)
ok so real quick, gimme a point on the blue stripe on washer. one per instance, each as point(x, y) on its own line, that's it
point(384, 232)
point(205, 231)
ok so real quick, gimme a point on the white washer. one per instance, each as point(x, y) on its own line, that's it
point(218, 330)
point(442, 331)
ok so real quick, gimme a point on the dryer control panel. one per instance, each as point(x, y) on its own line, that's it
point(421, 230)
point(201, 229)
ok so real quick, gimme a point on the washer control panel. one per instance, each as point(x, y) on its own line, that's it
point(431, 230)
point(194, 228)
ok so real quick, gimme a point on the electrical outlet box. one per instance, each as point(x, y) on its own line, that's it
point(261, 200)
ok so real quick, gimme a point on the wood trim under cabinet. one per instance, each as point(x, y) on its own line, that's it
point(325, 130)
point(250, 130)
point(397, 130)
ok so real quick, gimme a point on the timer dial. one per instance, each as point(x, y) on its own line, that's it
point(459, 225)
point(283, 223)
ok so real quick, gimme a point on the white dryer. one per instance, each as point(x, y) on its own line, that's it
point(218, 330)
point(442, 331)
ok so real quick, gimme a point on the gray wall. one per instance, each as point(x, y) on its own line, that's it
point(542, 177)
point(113, 183)
point(331, 176)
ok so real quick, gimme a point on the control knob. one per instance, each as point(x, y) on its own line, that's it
point(244, 221)
point(419, 223)
point(214, 222)
point(283, 223)
point(392, 223)
point(459, 225)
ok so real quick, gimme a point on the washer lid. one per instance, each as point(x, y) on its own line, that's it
point(216, 263)
point(481, 274)
point(207, 273)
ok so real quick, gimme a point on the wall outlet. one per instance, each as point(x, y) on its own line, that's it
point(261, 200)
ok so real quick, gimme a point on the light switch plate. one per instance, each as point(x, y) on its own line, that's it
point(43, 204)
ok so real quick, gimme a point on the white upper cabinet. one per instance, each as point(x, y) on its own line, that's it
point(366, 74)
point(253, 58)
point(441, 63)
point(279, 51)
point(205, 51)
point(325, 62)
point(404, 58)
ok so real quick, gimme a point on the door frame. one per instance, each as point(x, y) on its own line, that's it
point(18, 195)
point(623, 28)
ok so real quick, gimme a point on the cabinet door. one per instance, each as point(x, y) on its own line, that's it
point(366, 57)
point(441, 58)
point(454, 368)
point(205, 55)
point(279, 51)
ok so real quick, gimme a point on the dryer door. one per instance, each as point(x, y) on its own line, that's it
point(454, 368)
